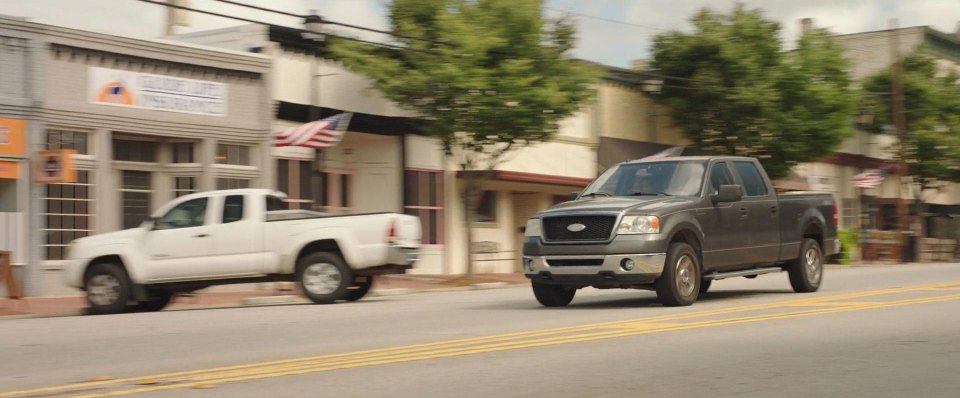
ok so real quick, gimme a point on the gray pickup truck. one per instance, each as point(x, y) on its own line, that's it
point(675, 225)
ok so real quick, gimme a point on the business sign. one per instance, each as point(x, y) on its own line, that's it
point(11, 137)
point(9, 170)
point(54, 166)
point(156, 92)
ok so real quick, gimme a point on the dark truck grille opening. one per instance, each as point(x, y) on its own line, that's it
point(583, 262)
point(595, 228)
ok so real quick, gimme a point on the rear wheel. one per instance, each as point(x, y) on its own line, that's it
point(806, 272)
point(324, 277)
point(360, 287)
point(553, 295)
point(679, 285)
point(107, 289)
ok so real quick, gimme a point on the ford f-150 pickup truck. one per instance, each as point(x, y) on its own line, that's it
point(239, 236)
point(674, 225)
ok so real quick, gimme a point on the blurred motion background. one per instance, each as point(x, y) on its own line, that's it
point(487, 111)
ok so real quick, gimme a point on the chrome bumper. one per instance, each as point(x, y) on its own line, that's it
point(398, 255)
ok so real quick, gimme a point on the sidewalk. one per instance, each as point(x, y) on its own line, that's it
point(256, 294)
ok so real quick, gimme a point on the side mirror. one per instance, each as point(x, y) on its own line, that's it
point(573, 195)
point(727, 194)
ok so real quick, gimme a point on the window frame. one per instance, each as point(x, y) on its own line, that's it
point(743, 181)
point(157, 225)
point(76, 233)
point(419, 203)
point(223, 210)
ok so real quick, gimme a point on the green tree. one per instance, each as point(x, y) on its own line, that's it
point(932, 109)
point(488, 77)
point(733, 90)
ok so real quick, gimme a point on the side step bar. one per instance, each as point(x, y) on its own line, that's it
point(715, 276)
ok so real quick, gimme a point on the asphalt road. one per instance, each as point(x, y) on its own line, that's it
point(882, 331)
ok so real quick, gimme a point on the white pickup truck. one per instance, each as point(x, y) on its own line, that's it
point(239, 236)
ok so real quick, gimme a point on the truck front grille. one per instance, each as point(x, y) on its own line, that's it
point(594, 228)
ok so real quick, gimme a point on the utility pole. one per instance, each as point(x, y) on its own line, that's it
point(900, 122)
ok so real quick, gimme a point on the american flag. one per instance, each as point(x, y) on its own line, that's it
point(321, 134)
point(666, 153)
point(871, 178)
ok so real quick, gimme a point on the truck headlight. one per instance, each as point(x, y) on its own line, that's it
point(533, 227)
point(639, 225)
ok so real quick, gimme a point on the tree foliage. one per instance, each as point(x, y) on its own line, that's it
point(932, 109)
point(733, 90)
point(489, 75)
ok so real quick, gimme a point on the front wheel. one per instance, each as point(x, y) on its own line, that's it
point(806, 272)
point(323, 277)
point(361, 286)
point(553, 295)
point(158, 300)
point(107, 289)
point(679, 285)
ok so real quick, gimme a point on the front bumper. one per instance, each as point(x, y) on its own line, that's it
point(597, 270)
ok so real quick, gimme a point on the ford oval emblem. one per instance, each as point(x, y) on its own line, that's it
point(576, 227)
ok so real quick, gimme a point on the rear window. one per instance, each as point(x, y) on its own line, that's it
point(753, 184)
point(274, 204)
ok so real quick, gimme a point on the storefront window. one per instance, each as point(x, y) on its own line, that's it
point(423, 197)
point(184, 186)
point(68, 214)
point(135, 195)
point(63, 139)
point(233, 154)
point(331, 191)
point(486, 210)
point(182, 152)
point(294, 178)
point(232, 183)
point(135, 150)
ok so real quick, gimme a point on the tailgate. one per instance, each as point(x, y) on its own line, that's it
point(406, 230)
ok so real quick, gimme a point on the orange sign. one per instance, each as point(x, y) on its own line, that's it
point(9, 170)
point(54, 166)
point(11, 137)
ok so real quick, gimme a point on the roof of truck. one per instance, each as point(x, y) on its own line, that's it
point(693, 158)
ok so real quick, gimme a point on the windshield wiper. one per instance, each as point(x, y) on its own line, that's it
point(638, 193)
point(594, 194)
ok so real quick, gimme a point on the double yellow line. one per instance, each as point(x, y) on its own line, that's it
point(495, 343)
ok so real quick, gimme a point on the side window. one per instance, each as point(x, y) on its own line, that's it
point(185, 215)
point(753, 184)
point(232, 209)
point(719, 175)
point(274, 204)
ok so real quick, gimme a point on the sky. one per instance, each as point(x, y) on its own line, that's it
point(612, 32)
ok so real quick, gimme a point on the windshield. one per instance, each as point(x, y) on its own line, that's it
point(676, 178)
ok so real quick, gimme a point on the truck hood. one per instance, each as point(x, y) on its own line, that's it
point(631, 205)
point(125, 235)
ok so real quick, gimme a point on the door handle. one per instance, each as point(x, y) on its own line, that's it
point(773, 209)
point(201, 235)
point(743, 210)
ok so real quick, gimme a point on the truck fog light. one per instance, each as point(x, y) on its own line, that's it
point(627, 264)
point(528, 264)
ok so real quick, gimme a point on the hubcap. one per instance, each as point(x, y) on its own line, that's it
point(813, 265)
point(686, 275)
point(322, 278)
point(103, 289)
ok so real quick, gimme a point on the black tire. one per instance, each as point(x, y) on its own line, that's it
point(679, 285)
point(553, 295)
point(323, 277)
point(705, 285)
point(159, 299)
point(357, 290)
point(806, 272)
point(108, 289)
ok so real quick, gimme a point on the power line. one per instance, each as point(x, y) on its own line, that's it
point(384, 45)
point(327, 21)
point(606, 19)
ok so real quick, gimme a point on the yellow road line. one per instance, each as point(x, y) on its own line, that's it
point(380, 360)
point(448, 344)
